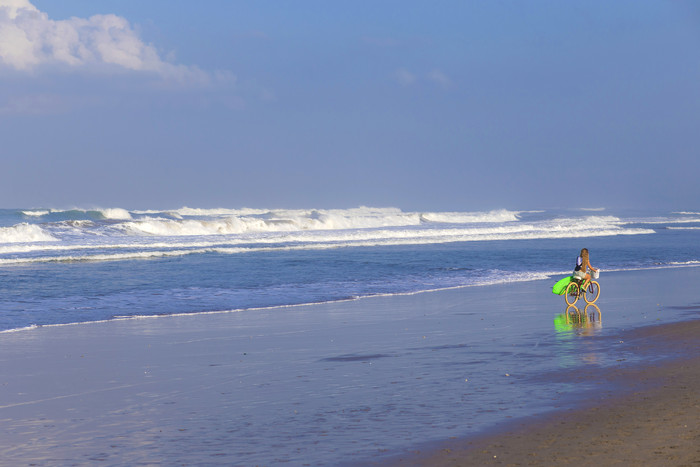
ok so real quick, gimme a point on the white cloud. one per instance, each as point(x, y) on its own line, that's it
point(30, 39)
point(440, 78)
point(405, 77)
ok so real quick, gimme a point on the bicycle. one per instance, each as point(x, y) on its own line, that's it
point(575, 290)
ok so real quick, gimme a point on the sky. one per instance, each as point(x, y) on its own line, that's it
point(444, 106)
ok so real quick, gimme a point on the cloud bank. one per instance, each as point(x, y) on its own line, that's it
point(29, 40)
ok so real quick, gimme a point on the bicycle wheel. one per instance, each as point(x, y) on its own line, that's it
point(592, 292)
point(571, 294)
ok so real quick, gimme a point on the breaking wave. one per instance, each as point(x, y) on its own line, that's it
point(189, 222)
point(118, 234)
point(24, 233)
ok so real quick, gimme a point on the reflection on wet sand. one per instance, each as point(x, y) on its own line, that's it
point(574, 323)
point(575, 319)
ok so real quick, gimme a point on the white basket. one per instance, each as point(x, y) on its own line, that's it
point(595, 274)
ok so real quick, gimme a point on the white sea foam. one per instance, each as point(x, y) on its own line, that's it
point(358, 239)
point(665, 220)
point(24, 233)
point(115, 214)
point(344, 227)
point(112, 257)
point(109, 213)
point(37, 213)
point(25, 328)
point(122, 235)
point(76, 247)
point(192, 227)
point(195, 212)
point(228, 222)
point(465, 218)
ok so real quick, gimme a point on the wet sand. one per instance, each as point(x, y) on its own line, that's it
point(364, 381)
point(653, 419)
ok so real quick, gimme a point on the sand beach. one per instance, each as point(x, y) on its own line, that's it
point(457, 377)
point(653, 420)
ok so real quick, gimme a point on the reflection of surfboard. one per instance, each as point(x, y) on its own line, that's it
point(560, 287)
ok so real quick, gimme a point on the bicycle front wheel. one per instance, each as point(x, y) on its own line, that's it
point(592, 292)
point(571, 294)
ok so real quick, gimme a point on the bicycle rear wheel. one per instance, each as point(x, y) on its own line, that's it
point(592, 292)
point(571, 293)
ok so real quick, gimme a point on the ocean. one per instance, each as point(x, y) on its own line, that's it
point(83, 265)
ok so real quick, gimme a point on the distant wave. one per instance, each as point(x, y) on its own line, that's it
point(244, 220)
point(110, 213)
point(359, 239)
point(466, 218)
point(116, 213)
point(38, 213)
point(688, 218)
point(200, 212)
point(198, 222)
point(118, 234)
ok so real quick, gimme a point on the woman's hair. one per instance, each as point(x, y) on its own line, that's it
point(584, 257)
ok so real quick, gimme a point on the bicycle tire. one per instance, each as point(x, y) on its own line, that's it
point(592, 292)
point(571, 293)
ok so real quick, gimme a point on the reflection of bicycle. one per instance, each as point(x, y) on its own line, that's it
point(590, 313)
point(580, 322)
point(576, 289)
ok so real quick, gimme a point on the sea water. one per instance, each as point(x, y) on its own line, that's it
point(71, 266)
point(339, 382)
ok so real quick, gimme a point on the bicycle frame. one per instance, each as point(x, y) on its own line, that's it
point(576, 288)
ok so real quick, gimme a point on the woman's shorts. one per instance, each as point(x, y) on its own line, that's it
point(579, 275)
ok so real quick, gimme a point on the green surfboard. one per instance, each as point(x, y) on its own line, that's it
point(560, 287)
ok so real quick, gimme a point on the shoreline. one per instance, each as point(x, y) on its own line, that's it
point(550, 277)
point(654, 419)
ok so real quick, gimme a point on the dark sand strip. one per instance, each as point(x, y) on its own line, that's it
point(654, 419)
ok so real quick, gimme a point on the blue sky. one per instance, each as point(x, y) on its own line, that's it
point(452, 105)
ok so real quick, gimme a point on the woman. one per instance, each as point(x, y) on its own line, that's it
point(582, 266)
